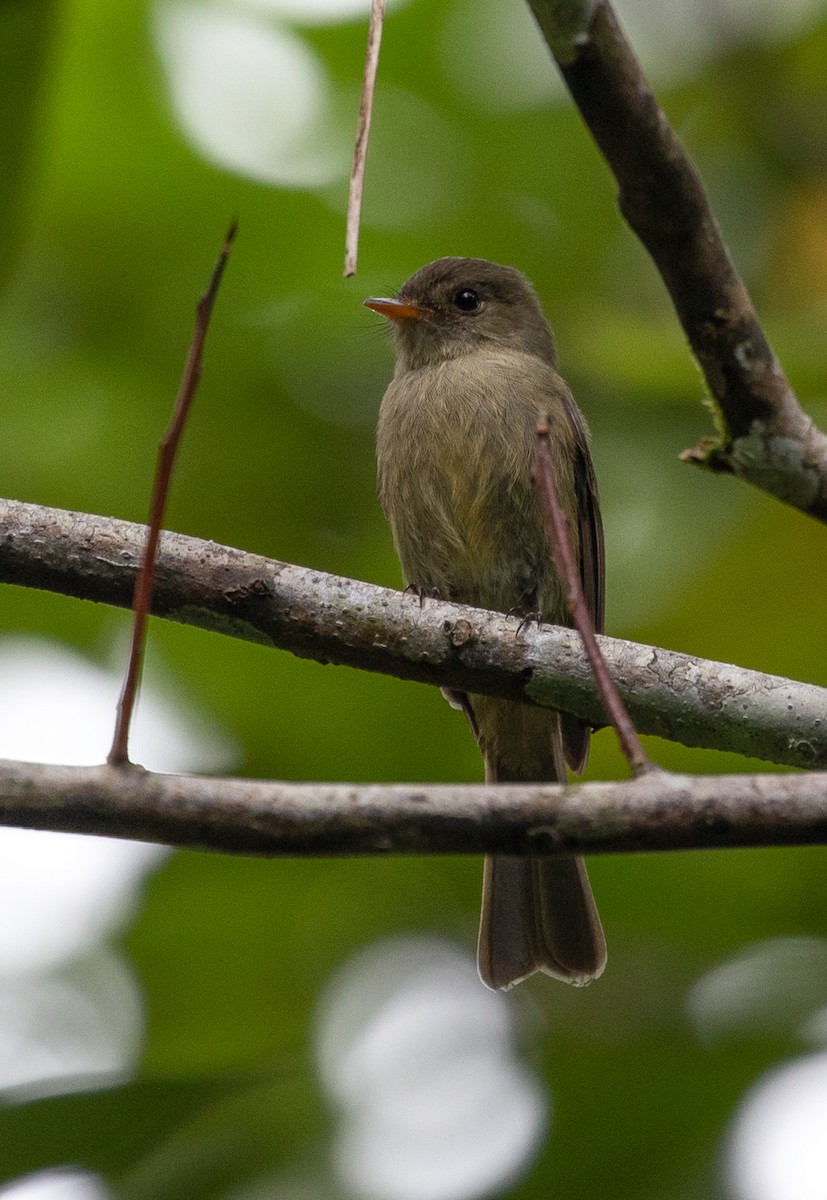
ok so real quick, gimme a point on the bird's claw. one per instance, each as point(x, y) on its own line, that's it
point(528, 618)
point(422, 594)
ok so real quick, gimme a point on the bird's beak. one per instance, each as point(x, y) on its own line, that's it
point(398, 310)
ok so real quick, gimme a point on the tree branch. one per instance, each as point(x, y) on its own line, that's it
point(765, 437)
point(656, 811)
point(331, 619)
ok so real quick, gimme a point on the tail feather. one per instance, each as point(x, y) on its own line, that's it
point(538, 914)
point(570, 942)
point(507, 949)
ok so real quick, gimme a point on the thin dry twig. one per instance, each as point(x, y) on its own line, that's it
point(765, 436)
point(557, 531)
point(167, 450)
point(360, 150)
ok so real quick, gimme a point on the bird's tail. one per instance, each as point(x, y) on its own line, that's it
point(538, 913)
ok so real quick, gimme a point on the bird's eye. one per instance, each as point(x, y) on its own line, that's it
point(467, 300)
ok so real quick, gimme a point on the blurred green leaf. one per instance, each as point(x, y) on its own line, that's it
point(26, 33)
point(103, 1131)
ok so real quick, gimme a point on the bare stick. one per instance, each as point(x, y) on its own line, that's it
point(360, 150)
point(557, 531)
point(764, 435)
point(167, 450)
point(656, 812)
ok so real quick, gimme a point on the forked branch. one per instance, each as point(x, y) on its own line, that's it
point(765, 437)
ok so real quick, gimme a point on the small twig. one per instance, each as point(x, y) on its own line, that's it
point(360, 150)
point(558, 535)
point(167, 450)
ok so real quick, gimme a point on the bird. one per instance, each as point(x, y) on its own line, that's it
point(476, 367)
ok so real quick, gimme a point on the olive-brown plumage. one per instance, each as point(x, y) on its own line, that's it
point(475, 368)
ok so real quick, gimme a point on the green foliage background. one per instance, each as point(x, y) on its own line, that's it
point(109, 223)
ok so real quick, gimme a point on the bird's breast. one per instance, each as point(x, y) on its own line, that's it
point(455, 448)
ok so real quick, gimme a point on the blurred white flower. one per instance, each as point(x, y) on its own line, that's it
point(61, 1184)
point(435, 1102)
point(251, 96)
point(777, 1145)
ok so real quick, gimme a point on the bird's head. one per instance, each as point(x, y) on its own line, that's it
point(455, 306)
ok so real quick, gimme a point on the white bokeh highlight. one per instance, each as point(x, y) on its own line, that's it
point(60, 893)
point(75, 1027)
point(313, 12)
point(777, 1148)
point(253, 97)
point(778, 986)
point(435, 1102)
point(674, 40)
point(505, 66)
point(250, 95)
point(57, 1185)
point(56, 706)
point(71, 1014)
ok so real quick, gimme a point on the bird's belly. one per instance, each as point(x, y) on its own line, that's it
point(455, 450)
point(471, 536)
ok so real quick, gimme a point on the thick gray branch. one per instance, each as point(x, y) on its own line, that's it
point(657, 811)
point(324, 617)
point(767, 439)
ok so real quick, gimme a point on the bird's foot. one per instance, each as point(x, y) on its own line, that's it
point(527, 618)
point(422, 594)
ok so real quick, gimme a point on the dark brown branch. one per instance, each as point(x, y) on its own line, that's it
point(167, 451)
point(360, 151)
point(557, 531)
point(324, 617)
point(657, 811)
point(766, 438)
